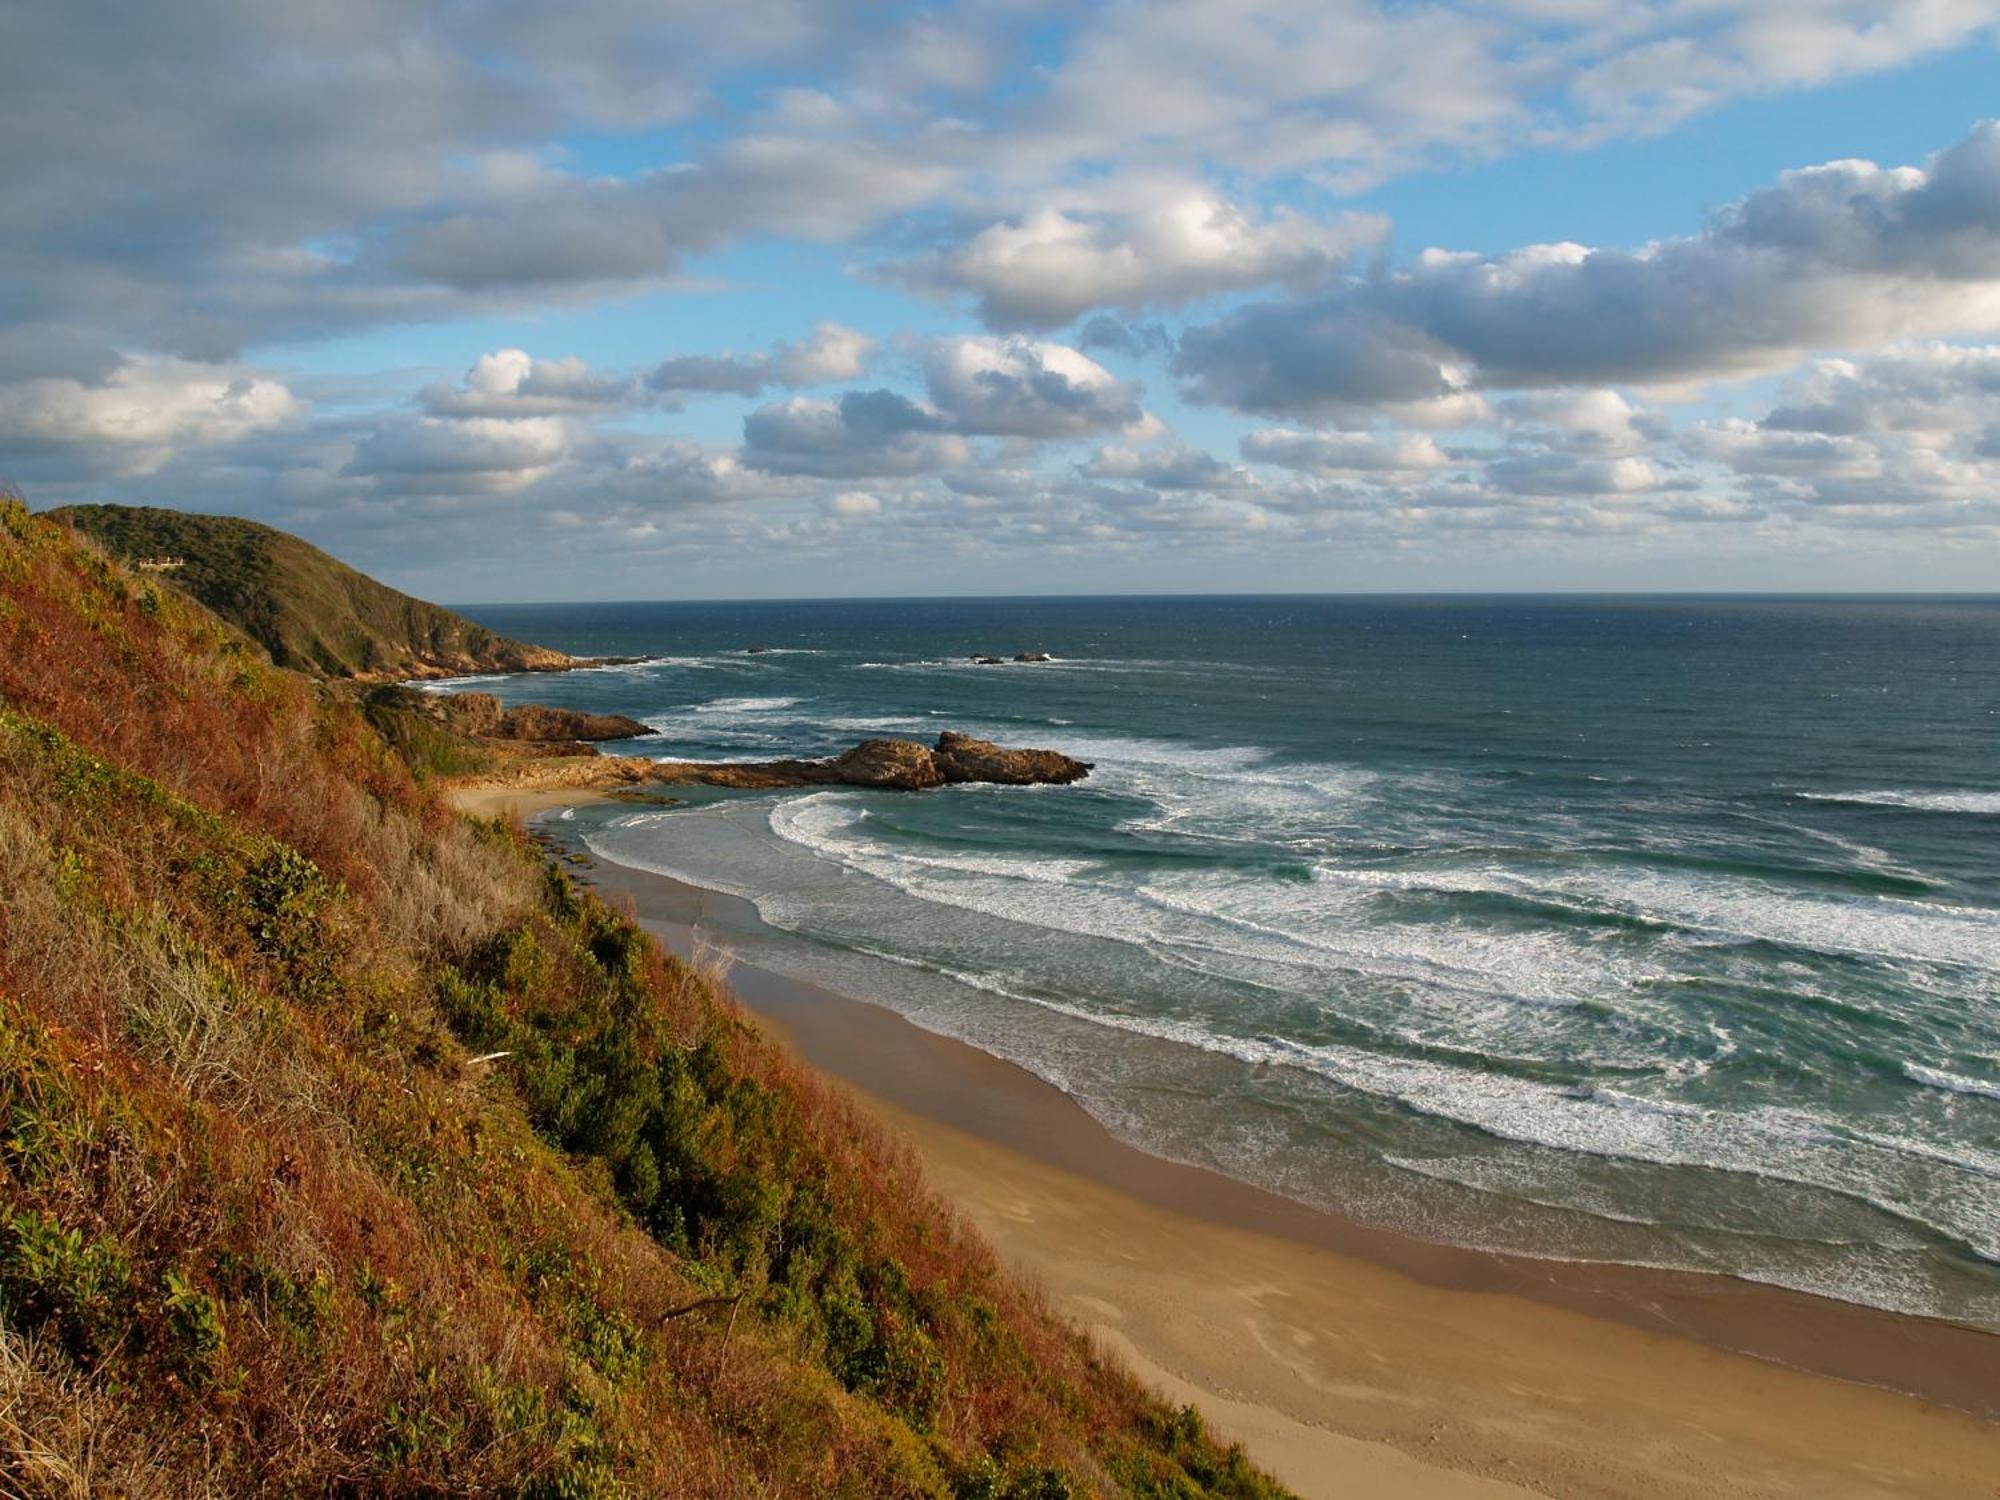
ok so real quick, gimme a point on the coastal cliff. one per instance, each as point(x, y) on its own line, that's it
point(311, 611)
point(352, 1149)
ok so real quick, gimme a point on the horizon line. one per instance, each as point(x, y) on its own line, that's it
point(1932, 595)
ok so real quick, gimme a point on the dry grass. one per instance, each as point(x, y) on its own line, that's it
point(265, 1225)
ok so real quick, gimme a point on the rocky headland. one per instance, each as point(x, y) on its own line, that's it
point(896, 765)
point(480, 714)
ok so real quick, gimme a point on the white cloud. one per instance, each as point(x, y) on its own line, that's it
point(138, 416)
point(1904, 436)
point(468, 455)
point(978, 387)
point(1844, 255)
point(832, 352)
point(1049, 267)
point(1168, 466)
point(512, 383)
point(1935, 388)
point(1551, 473)
point(1354, 91)
point(1334, 452)
point(1598, 421)
point(864, 434)
point(1020, 387)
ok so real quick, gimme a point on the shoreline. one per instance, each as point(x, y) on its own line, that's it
point(1354, 1361)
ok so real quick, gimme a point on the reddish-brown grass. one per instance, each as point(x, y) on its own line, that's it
point(266, 1226)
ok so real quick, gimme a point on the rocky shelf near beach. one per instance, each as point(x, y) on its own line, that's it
point(480, 714)
point(897, 765)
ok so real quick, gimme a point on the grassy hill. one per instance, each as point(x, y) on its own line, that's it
point(311, 611)
point(345, 1147)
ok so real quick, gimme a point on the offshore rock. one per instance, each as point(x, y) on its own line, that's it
point(901, 764)
point(960, 757)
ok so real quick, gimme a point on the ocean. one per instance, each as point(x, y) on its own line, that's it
point(1654, 930)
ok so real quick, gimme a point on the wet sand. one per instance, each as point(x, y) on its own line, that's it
point(1357, 1363)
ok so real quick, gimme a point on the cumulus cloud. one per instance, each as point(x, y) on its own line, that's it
point(1354, 91)
point(830, 353)
point(215, 177)
point(977, 387)
point(1905, 434)
point(1551, 473)
point(852, 504)
point(512, 383)
point(1049, 267)
point(1167, 466)
point(1018, 387)
point(1341, 452)
point(471, 455)
point(1935, 388)
point(271, 173)
point(1599, 421)
point(139, 415)
point(1839, 255)
point(864, 434)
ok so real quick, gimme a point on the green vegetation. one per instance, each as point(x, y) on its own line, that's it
point(429, 747)
point(312, 612)
point(345, 1146)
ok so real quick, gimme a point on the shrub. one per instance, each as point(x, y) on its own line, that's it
point(60, 1283)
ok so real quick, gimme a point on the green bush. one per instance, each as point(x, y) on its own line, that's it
point(58, 1282)
point(194, 1323)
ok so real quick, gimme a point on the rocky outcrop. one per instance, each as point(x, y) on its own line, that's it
point(960, 757)
point(533, 721)
point(467, 713)
point(1032, 656)
point(902, 764)
point(896, 765)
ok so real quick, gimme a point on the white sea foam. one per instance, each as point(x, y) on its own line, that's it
point(1987, 803)
point(878, 725)
point(1057, 664)
point(1876, 926)
point(744, 705)
point(1242, 928)
point(1461, 981)
point(454, 684)
point(1955, 1083)
point(633, 667)
point(1878, 1169)
point(695, 663)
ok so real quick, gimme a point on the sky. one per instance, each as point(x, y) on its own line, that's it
point(643, 299)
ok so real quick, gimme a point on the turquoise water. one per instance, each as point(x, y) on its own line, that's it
point(1663, 931)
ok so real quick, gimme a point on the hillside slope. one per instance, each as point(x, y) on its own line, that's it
point(348, 1148)
point(311, 611)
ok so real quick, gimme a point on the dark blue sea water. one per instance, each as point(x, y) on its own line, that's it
point(1656, 930)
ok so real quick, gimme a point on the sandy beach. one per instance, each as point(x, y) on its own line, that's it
point(1354, 1363)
